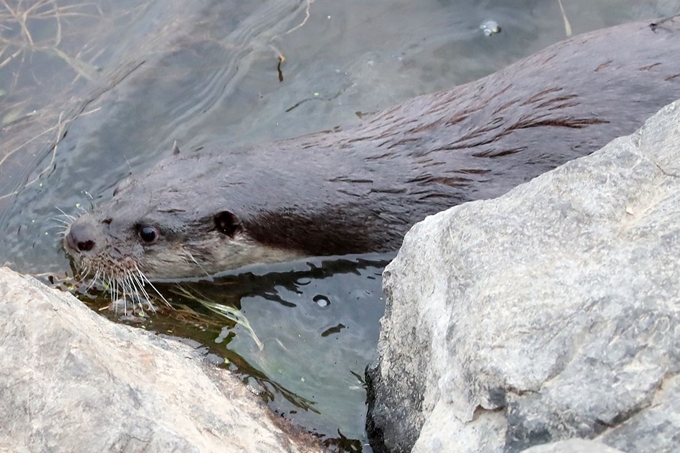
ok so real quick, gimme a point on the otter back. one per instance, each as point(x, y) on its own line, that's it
point(360, 189)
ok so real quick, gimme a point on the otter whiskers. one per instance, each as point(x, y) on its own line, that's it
point(129, 285)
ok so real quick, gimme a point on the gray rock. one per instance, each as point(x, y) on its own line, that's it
point(572, 446)
point(71, 381)
point(550, 313)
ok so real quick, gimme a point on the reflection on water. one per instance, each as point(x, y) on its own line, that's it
point(303, 348)
point(115, 82)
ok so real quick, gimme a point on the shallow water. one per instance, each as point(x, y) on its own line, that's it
point(116, 82)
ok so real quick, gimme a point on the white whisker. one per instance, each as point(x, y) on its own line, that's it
point(128, 286)
point(113, 290)
point(199, 265)
point(146, 281)
point(61, 228)
point(139, 286)
point(92, 282)
point(65, 215)
point(83, 274)
point(57, 219)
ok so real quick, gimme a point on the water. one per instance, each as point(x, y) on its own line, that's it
point(312, 327)
point(114, 83)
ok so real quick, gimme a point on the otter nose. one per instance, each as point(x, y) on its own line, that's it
point(80, 237)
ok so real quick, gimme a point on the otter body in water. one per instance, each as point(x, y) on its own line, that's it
point(360, 189)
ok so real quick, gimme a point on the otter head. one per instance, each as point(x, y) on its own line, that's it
point(172, 222)
point(157, 245)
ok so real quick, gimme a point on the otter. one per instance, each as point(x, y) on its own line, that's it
point(360, 189)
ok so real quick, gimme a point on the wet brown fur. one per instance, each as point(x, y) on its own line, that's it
point(360, 189)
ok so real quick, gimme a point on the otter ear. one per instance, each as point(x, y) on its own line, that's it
point(175, 148)
point(227, 223)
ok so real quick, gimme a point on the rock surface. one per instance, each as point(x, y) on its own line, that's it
point(72, 381)
point(550, 313)
point(572, 446)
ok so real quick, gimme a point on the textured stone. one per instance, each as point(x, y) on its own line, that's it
point(549, 313)
point(72, 381)
point(572, 446)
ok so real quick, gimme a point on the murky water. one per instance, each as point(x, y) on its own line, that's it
point(115, 82)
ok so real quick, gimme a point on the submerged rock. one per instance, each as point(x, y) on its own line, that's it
point(72, 381)
point(550, 313)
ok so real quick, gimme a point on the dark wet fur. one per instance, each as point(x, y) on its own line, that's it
point(360, 189)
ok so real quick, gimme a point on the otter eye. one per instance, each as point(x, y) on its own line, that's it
point(148, 234)
point(227, 223)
